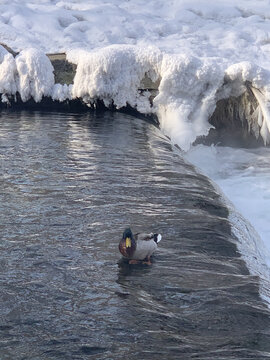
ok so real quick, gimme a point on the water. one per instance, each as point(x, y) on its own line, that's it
point(70, 184)
point(243, 175)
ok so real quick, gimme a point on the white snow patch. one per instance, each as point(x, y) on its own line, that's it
point(62, 92)
point(35, 74)
point(187, 97)
point(7, 73)
point(114, 74)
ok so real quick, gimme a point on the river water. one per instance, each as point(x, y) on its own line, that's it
point(70, 184)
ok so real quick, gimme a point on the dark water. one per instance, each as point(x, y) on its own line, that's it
point(69, 185)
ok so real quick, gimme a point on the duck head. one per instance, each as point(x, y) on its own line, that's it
point(128, 237)
point(127, 244)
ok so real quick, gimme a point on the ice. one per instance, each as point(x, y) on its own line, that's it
point(7, 73)
point(114, 74)
point(201, 51)
point(35, 75)
point(30, 74)
point(186, 97)
point(264, 116)
point(187, 89)
point(62, 92)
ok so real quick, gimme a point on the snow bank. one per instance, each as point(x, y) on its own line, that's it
point(235, 30)
point(7, 73)
point(114, 74)
point(188, 91)
point(35, 75)
point(30, 74)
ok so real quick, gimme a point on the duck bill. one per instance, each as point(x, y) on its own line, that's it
point(128, 242)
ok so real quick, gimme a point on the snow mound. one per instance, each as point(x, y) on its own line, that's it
point(30, 74)
point(35, 75)
point(114, 74)
point(188, 91)
point(187, 97)
point(7, 73)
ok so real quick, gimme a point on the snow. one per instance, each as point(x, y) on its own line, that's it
point(35, 75)
point(7, 73)
point(114, 74)
point(30, 74)
point(187, 97)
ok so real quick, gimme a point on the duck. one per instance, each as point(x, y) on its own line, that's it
point(138, 247)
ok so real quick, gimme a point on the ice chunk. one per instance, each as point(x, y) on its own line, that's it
point(114, 74)
point(7, 72)
point(186, 97)
point(62, 92)
point(35, 74)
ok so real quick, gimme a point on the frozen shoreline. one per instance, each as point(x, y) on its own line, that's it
point(33, 75)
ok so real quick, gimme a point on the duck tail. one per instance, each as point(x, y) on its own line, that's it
point(157, 238)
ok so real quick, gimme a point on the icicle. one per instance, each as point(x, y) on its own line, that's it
point(264, 116)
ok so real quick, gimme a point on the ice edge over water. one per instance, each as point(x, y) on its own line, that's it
point(188, 91)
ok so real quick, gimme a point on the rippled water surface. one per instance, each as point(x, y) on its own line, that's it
point(69, 186)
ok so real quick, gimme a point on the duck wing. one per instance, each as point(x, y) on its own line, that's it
point(147, 237)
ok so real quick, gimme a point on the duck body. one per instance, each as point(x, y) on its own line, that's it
point(139, 246)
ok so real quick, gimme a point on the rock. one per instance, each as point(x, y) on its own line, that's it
point(64, 71)
point(235, 122)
